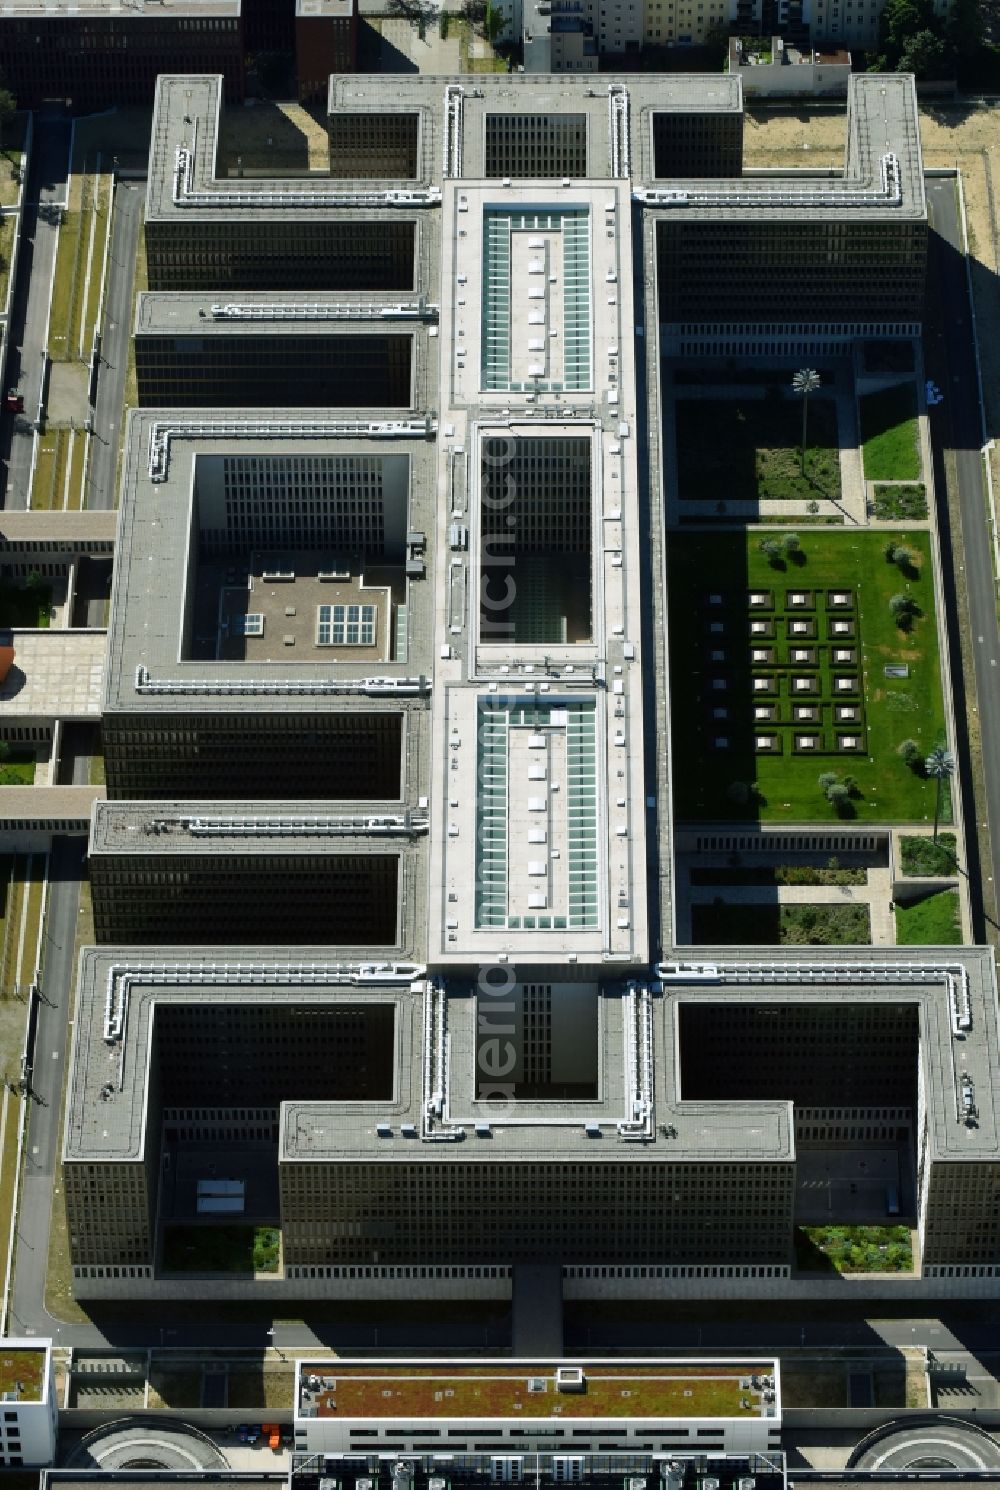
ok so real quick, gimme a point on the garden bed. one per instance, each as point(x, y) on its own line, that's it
point(901, 503)
point(925, 856)
point(853, 1249)
point(739, 450)
point(776, 925)
point(780, 874)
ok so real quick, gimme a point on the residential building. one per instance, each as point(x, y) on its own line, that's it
point(785, 69)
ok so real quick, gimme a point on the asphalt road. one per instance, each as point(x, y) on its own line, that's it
point(125, 225)
point(65, 869)
point(955, 426)
point(47, 187)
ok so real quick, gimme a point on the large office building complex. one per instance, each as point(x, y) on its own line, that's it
point(382, 887)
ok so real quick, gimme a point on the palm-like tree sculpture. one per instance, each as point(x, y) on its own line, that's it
point(940, 764)
point(804, 382)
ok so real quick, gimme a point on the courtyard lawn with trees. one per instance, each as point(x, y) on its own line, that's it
point(748, 450)
point(853, 1249)
point(738, 781)
point(889, 434)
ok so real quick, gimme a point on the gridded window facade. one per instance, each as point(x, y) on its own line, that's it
point(276, 757)
point(311, 502)
point(108, 1213)
point(280, 898)
point(815, 1055)
point(544, 485)
point(536, 146)
point(366, 146)
point(697, 144)
point(764, 271)
point(250, 253)
point(537, 1034)
point(441, 1211)
point(96, 59)
point(229, 1054)
point(962, 1216)
point(309, 372)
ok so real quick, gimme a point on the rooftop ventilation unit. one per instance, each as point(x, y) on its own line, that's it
point(571, 1378)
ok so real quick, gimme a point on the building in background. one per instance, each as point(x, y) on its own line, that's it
point(780, 68)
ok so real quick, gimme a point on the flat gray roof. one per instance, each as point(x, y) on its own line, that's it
point(883, 166)
point(280, 313)
point(151, 573)
point(119, 987)
point(262, 828)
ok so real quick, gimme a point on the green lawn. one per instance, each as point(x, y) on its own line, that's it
point(220, 1249)
point(889, 434)
point(933, 922)
point(924, 856)
point(738, 925)
point(738, 450)
point(710, 783)
point(24, 606)
point(853, 1249)
point(72, 316)
point(18, 769)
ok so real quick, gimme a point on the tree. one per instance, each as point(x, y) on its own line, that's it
point(771, 549)
point(909, 753)
point(738, 793)
point(927, 56)
point(903, 608)
point(965, 30)
point(904, 558)
point(901, 19)
point(790, 543)
point(940, 765)
point(839, 796)
point(4, 750)
point(827, 780)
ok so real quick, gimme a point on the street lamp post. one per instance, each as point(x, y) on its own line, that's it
point(939, 764)
point(277, 1347)
point(804, 382)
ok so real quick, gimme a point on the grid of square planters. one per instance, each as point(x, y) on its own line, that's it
point(805, 675)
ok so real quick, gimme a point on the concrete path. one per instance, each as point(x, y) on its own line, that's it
point(115, 331)
point(29, 318)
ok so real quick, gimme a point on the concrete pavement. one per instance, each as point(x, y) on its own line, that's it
point(115, 331)
point(29, 319)
point(949, 357)
point(41, 1147)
